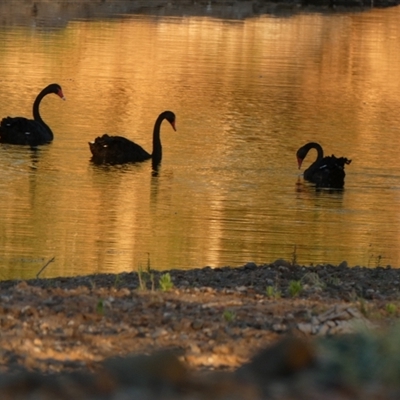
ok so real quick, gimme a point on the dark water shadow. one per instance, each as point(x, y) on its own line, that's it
point(303, 186)
point(32, 154)
point(57, 14)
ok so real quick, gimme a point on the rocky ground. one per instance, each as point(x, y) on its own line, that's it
point(254, 332)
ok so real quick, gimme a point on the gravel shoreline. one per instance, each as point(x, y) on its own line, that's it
point(212, 321)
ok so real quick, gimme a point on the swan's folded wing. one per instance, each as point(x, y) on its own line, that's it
point(20, 130)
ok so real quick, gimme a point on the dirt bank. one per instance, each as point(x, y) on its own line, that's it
point(210, 319)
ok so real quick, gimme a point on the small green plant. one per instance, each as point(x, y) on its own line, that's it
point(145, 275)
point(143, 278)
point(391, 308)
point(117, 281)
point(334, 280)
point(229, 315)
point(165, 282)
point(295, 288)
point(313, 279)
point(92, 284)
point(272, 292)
point(363, 307)
point(100, 307)
point(353, 296)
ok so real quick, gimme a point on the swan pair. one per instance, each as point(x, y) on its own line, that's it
point(105, 149)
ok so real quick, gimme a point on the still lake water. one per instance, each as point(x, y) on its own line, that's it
point(247, 92)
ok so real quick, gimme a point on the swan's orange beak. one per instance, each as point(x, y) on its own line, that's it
point(60, 93)
point(173, 125)
point(299, 161)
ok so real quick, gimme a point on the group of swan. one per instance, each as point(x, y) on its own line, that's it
point(325, 172)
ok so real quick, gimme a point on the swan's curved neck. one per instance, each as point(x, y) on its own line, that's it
point(157, 148)
point(36, 114)
point(316, 146)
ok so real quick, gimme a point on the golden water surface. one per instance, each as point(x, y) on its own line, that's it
point(247, 93)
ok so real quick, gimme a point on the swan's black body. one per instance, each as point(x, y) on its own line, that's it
point(325, 172)
point(32, 132)
point(119, 150)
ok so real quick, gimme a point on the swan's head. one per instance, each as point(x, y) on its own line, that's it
point(170, 117)
point(56, 89)
point(299, 161)
point(301, 155)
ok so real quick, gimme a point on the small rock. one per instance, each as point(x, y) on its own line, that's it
point(305, 328)
point(250, 265)
point(279, 328)
point(197, 324)
point(280, 262)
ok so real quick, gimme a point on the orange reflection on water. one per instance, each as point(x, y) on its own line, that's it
point(246, 94)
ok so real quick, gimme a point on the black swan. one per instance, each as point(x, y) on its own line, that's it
point(325, 172)
point(119, 150)
point(24, 131)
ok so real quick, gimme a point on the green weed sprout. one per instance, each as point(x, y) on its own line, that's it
point(295, 288)
point(143, 278)
point(272, 292)
point(100, 307)
point(165, 282)
point(391, 308)
point(229, 315)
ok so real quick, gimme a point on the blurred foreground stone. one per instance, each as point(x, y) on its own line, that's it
point(354, 366)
